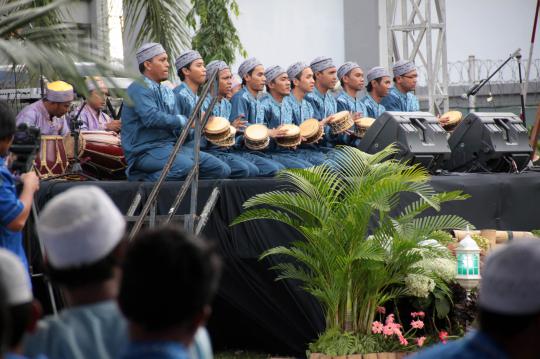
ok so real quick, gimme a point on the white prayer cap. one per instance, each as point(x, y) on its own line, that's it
point(375, 73)
point(14, 278)
point(95, 82)
point(510, 282)
point(80, 226)
point(148, 51)
point(216, 65)
point(59, 91)
point(403, 67)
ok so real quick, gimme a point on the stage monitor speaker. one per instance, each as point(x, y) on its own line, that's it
point(417, 135)
point(489, 142)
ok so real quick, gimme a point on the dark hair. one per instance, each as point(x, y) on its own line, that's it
point(298, 75)
point(394, 79)
point(181, 74)
point(20, 317)
point(168, 278)
point(369, 86)
point(250, 72)
point(141, 67)
point(8, 124)
point(342, 83)
point(499, 325)
point(79, 276)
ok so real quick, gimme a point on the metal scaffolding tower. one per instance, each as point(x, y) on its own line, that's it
point(416, 30)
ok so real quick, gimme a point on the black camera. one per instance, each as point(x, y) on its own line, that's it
point(25, 146)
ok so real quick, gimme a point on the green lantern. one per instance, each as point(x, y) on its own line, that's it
point(468, 263)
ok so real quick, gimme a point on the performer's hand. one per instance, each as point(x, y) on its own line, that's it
point(443, 120)
point(114, 125)
point(277, 132)
point(356, 116)
point(239, 123)
point(30, 180)
point(328, 119)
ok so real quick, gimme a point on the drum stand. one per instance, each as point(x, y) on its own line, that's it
point(192, 222)
point(74, 168)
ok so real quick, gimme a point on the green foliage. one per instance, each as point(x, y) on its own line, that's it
point(162, 21)
point(442, 237)
point(215, 37)
point(34, 36)
point(334, 342)
point(333, 206)
point(482, 242)
point(536, 232)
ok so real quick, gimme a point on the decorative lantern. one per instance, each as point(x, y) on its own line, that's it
point(468, 263)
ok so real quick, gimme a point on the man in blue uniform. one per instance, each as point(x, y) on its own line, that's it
point(378, 85)
point(302, 83)
point(239, 167)
point(401, 96)
point(151, 122)
point(277, 113)
point(246, 105)
point(190, 69)
point(13, 211)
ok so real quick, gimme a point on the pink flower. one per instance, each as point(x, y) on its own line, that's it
point(418, 314)
point(443, 335)
point(417, 324)
point(420, 341)
point(402, 340)
point(388, 329)
point(390, 319)
point(381, 310)
point(377, 327)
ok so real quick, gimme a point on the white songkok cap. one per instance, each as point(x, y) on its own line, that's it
point(79, 227)
point(14, 278)
point(510, 283)
point(148, 51)
point(93, 83)
point(375, 73)
point(403, 67)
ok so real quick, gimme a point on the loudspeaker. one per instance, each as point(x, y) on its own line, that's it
point(417, 135)
point(489, 142)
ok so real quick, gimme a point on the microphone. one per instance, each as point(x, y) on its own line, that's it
point(470, 91)
point(516, 53)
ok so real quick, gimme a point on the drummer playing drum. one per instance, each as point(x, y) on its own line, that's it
point(92, 116)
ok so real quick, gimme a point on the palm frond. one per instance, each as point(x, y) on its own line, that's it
point(162, 21)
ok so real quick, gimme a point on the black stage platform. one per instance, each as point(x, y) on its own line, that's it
point(252, 311)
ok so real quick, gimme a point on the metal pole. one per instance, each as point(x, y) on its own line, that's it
point(472, 80)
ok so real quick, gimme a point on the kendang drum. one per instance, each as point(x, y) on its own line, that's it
point(51, 159)
point(362, 125)
point(342, 122)
point(219, 131)
point(311, 130)
point(454, 118)
point(101, 154)
point(256, 137)
point(291, 138)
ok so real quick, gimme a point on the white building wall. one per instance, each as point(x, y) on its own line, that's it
point(281, 32)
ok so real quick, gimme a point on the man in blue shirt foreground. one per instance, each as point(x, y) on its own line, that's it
point(163, 318)
point(509, 308)
point(13, 211)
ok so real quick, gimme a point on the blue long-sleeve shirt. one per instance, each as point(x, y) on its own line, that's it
point(347, 103)
point(243, 103)
point(323, 105)
point(373, 109)
point(150, 119)
point(300, 110)
point(399, 101)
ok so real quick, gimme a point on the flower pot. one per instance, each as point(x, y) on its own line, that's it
point(356, 356)
point(370, 356)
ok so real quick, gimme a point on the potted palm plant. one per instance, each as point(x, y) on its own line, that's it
point(359, 247)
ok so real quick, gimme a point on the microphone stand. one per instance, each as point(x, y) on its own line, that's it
point(474, 90)
point(521, 95)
